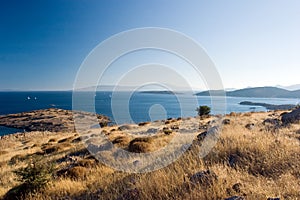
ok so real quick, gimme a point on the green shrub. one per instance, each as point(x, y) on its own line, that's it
point(35, 175)
point(203, 110)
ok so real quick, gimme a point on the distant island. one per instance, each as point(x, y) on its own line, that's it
point(269, 106)
point(258, 92)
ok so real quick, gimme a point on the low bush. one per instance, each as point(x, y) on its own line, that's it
point(33, 177)
point(140, 145)
point(203, 110)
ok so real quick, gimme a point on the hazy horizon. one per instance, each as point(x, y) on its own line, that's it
point(130, 88)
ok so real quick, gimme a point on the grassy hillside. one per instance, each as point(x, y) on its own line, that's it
point(253, 158)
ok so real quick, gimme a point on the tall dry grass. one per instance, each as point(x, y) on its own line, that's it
point(257, 164)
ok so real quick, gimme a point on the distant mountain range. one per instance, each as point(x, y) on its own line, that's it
point(291, 87)
point(258, 92)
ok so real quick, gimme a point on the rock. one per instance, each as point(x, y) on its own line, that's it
point(271, 121)
point(271, 124)
point(136, 163)
point(167, 130)
point(167, 122)
point(237, 187)
point(226, 121)
point(250, 126)
point(291, 117)
point(213, 130)
point(202, 136)
point(283, 113)
point(175, 127)
point(204, 178)
point(210, 132)
point(203, 126)
point(143, 123)
point(76, 140)
point(235, 198)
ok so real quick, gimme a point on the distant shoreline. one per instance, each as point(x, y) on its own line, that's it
point(256, 92)
point(269, 106)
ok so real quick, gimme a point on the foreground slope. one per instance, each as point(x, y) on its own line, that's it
point(256, 157)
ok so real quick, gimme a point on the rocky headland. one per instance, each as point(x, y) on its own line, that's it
point(52, 119)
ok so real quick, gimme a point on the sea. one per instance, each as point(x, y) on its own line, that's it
point(127, 107)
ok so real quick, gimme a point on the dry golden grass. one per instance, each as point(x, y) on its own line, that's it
point(255, 163)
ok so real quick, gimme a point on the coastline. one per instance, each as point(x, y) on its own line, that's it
point(257, 136)
point(269, 106)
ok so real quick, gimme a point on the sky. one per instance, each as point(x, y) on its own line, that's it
point(252, 43)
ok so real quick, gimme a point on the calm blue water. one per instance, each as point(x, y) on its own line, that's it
point(141, 106)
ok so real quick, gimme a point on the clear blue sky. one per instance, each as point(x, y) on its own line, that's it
point(253, 43)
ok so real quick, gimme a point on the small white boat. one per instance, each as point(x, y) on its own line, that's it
point(28, 98)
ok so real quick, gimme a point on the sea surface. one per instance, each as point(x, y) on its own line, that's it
point(126, 107)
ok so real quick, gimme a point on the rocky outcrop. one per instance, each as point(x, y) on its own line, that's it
point(291, 117)
point(275, 122)
point(250, 126)
point(53, 119)
point(226, 121)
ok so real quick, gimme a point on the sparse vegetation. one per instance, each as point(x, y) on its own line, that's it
point(256, 163)
point(140, 145)
point(203, 110)
point(121, 140)
point(33, 178)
